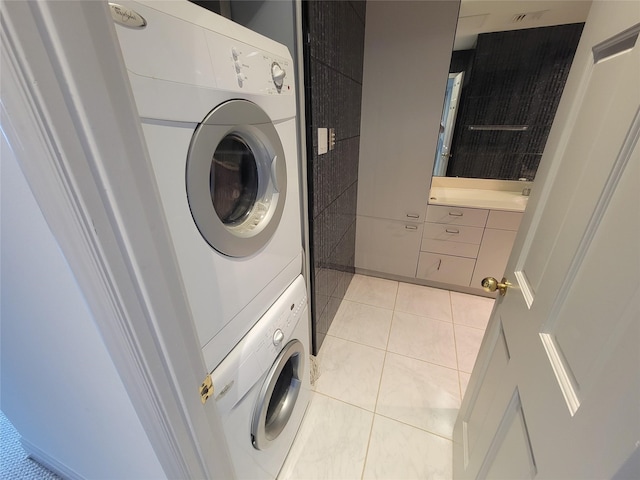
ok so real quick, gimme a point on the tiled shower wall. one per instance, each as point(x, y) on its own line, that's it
point(517, 78)
point(334, 53)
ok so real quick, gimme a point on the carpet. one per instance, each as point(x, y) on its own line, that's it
point(14, 462)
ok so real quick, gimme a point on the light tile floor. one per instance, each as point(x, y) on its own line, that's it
point(392, 372)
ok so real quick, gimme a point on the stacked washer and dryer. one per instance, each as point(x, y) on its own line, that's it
point(218, 112)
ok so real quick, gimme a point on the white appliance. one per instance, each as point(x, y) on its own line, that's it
point(218, 110)
point(262, 388)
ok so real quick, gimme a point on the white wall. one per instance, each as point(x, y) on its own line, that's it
point(59, 385)
point(272, 18)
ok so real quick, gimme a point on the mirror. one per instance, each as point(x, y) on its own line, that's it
point(512, 59)
point(447, 123)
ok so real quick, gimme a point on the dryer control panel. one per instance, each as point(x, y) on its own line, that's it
point(253, 70)
point(200, 48)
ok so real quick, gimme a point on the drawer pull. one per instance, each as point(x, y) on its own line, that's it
point(456, 214)
point(410, 227)
point(439, 263)
point(452, 230)
point(413, 215)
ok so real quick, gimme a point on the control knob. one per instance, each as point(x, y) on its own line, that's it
point(278, 74)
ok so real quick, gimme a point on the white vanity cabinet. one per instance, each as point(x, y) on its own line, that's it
point(497, 242)
point(388, 246)
point(407, 46)
point(460, 246)
point(450, 244)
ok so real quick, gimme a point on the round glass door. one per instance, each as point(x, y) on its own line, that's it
point(233, 180)
point(236, 178)
point(278, 396)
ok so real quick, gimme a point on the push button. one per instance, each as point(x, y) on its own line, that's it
point(278, 336)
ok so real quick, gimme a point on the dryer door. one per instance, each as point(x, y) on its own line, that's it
point(236, 178)
point(278, 395)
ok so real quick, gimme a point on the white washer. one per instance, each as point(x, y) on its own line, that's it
point(262, 388)
point(218, 112)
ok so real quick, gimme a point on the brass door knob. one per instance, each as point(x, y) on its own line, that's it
point(490, 284)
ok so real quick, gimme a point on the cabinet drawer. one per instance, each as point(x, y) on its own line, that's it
point(445, 268)
point(445, 247)
point(453, 233)
point(474, 217)
point(387, 246)
point(504, 220)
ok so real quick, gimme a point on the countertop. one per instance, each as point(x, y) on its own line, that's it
point(478, 198)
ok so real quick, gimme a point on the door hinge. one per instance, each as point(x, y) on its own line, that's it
point(206, 389)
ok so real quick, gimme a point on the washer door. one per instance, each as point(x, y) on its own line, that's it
point(236, 178)
point(278, 396)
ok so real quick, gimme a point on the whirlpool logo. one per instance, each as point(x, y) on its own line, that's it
point(126, 17)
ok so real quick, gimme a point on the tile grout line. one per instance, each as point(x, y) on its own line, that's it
point(384, 362)
point(455, 345)
point(366, 304)
point(439, 435)
point(423, 361)
point(427, 316)
point(343, 401)
point(354, 341)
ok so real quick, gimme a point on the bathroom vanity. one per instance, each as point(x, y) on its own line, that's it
point(467, 234)
point(461, 246)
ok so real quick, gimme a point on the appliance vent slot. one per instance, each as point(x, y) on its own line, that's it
point(527, 17)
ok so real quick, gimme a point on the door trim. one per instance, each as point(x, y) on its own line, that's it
point(105, 213)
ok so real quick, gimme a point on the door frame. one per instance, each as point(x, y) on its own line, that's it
point(63, 73)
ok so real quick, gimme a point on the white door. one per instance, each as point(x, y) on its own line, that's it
point(555, 392)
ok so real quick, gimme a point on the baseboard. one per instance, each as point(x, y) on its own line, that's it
point(427, 283)
point(49, 462)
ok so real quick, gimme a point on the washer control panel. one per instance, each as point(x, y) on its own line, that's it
point(280, 331)
point(258, 350)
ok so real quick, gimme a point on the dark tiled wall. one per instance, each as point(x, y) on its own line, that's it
point(333, 63)
point(516, 78)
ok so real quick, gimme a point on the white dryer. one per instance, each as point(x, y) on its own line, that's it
point(262, 388)
point(218, 112)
